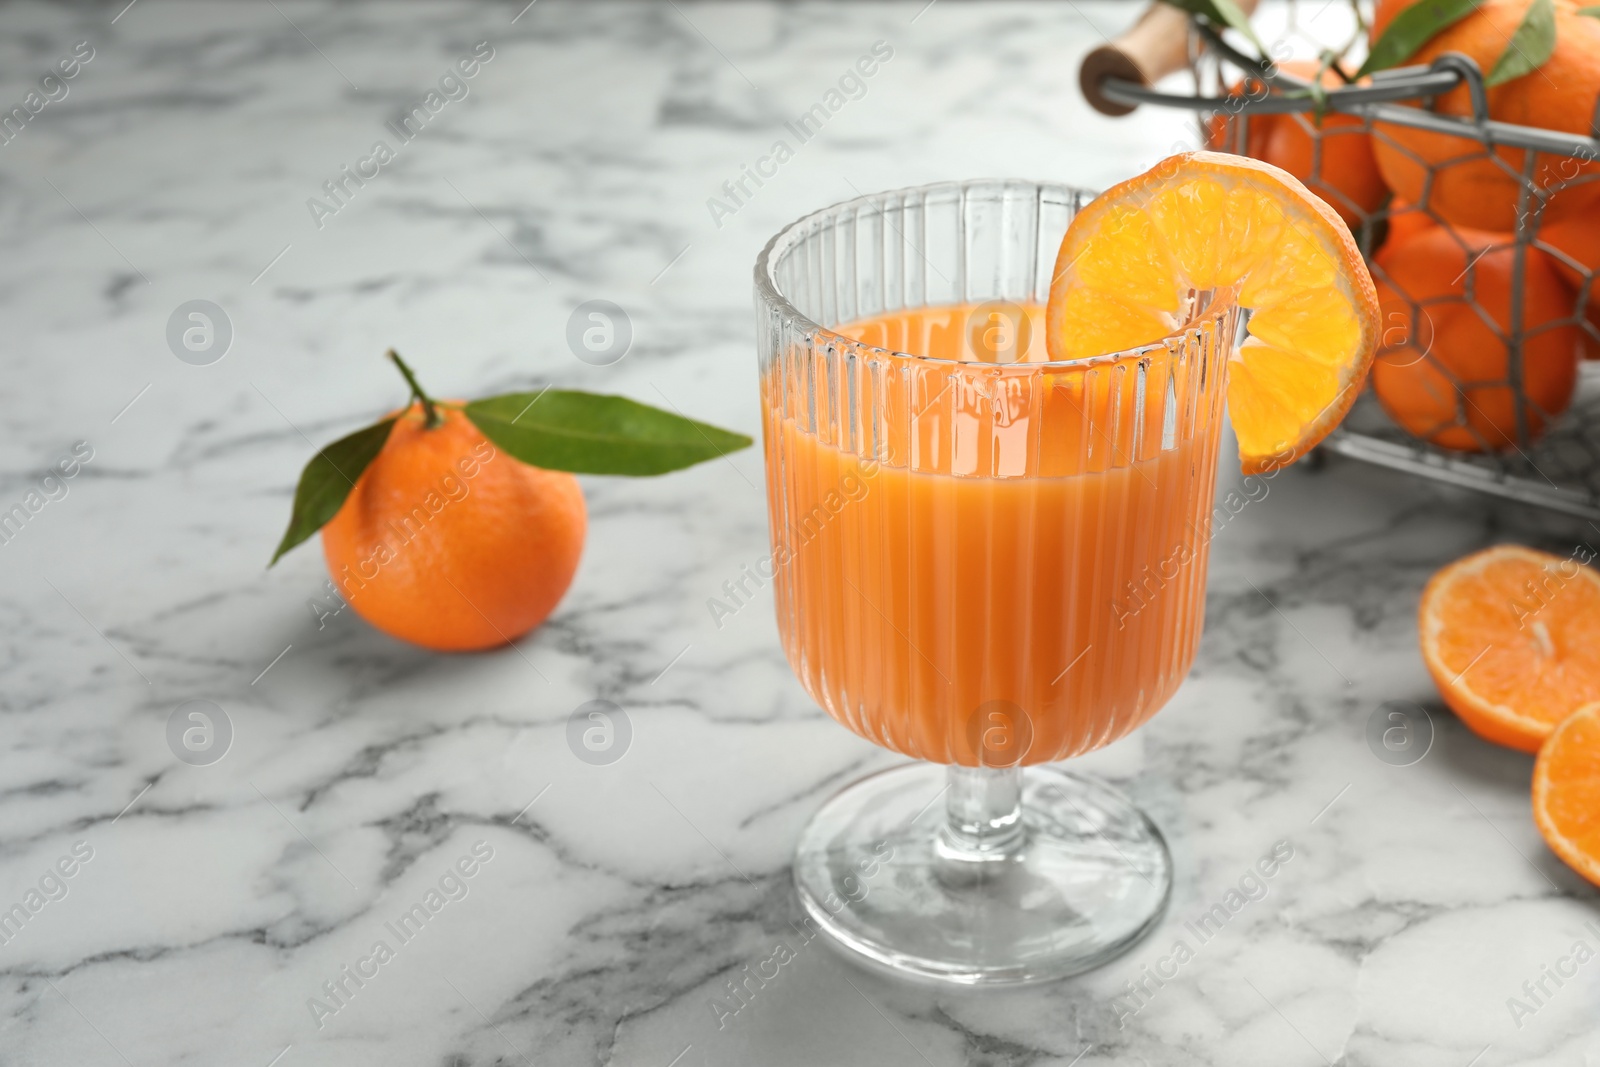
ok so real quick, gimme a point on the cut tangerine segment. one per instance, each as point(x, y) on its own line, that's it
point(1566, 791)
point(1251, 232)
point(1512, 639)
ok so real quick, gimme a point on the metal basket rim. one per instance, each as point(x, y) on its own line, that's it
point(1375, 102)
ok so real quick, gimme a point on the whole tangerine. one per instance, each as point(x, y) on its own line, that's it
point(1443, 371)
point(450, 544)
point(1460, 179)
point(1406, 219)
point(1332, 154)
point(1578, 239)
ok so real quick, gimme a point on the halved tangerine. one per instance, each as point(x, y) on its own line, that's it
point(1566, 791)
point(1211, 221)
point(1512, 638)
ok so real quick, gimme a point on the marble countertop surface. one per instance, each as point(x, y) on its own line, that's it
point(209, 903)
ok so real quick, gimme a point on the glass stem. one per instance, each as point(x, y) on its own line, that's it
point(983, 810)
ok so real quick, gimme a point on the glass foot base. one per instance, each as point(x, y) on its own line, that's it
point(1080, 878)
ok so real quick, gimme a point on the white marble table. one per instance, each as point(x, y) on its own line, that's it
point(617, 901)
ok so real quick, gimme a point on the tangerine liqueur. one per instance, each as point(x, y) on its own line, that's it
point(1008, 564)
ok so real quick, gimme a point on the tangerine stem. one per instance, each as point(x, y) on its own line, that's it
point(430, 413)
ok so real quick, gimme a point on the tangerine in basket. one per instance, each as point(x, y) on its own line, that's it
point(1511, 637)
point(1443, 369)
point(1469, 185)
point(1406, 219)
point(1331, 155)
point(1578, 239)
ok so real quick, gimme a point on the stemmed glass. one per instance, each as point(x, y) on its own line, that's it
point(984, 559)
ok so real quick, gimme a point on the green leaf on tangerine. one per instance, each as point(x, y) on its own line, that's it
point(1413, 28)
point(327, 481)
point(1530, 46)
point(588, 433)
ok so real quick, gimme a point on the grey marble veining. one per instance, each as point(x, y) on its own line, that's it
point(609, 906)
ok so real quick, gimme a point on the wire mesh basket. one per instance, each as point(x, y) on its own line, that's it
point(1484, 376)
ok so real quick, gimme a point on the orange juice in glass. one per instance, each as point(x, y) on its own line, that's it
point(986, 560)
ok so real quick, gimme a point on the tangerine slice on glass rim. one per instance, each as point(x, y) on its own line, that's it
point(1212, 221)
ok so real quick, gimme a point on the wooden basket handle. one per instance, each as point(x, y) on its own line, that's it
point(1155, 46)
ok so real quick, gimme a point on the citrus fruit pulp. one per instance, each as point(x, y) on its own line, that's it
point(1512, 638)
point(1210, 221)
point(1566, 791)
